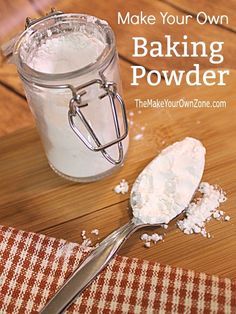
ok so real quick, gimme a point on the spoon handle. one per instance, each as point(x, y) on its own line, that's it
point(88, 270)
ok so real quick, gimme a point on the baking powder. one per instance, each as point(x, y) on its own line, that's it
point(122, 187)
point(65, 53)
point(204, 209)
point(166, 186)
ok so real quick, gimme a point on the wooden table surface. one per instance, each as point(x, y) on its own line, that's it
point(34, 198)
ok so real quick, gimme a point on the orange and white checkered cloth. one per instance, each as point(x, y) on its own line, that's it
point(34, 266)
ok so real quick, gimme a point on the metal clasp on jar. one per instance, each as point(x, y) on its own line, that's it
point(75, 106)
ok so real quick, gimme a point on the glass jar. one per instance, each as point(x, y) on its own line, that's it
point(79, 112)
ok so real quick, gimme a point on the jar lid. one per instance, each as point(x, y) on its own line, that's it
point(55, 23)
point(58, 24)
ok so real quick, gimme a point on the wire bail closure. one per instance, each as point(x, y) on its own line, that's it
point(75, 103)
point(75, 106)
point(29, 21)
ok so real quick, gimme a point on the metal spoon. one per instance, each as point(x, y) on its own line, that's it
point(91, 267)
point(97, 261)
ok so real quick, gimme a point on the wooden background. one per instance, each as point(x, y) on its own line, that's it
point(33, 198)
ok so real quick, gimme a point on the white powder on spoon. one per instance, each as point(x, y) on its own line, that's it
point(166, 186)
point(198, 213)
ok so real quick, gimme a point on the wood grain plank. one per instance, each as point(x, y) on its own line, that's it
point(42, 5)
point(190, 252)
point(14, 13)
point(108, 10)
point(34, 185)
point(33, 198)
point(15, 113)
point(216, 8)
point(12, 17)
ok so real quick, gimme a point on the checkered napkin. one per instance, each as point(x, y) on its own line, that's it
point(34, 266)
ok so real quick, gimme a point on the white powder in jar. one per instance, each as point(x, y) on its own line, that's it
point(64, 53)
point(166, 186)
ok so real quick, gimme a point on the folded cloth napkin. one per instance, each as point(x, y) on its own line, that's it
point(34, 266)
